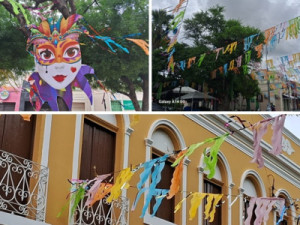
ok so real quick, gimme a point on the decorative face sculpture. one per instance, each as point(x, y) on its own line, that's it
point(57, 51)
point(58, 65)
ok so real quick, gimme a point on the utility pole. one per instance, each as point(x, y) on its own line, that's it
point(268, 81)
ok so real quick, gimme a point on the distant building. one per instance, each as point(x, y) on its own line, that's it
point(17, 99)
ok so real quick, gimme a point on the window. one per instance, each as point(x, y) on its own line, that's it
point(287, 218)
point(246, 205)
point(249, 186)
point(215, 187)
point(166, 209)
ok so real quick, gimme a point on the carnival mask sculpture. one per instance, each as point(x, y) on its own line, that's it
point(57, 56)
point(58, 67)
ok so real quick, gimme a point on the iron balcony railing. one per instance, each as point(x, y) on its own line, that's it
point(23, 186)
point(102, 213)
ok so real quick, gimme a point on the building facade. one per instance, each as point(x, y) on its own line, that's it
point(61, 147)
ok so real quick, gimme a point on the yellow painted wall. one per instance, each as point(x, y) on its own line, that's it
point(61, 156)
point(193, 133)
point(60, 166)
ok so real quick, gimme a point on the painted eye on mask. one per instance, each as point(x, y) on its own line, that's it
point(71, 52)
point(46, 54)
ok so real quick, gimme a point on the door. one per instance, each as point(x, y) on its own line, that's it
point(16, 137)
point(98, 156)
point(7, 106)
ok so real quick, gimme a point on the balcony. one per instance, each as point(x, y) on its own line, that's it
point(23, 190)
point(102, 213)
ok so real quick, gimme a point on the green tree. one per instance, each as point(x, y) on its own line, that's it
point(14, 58)
point(121, 72)
point(209, 30)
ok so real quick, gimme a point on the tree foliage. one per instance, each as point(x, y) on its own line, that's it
point(207, 31)
point(12, 46)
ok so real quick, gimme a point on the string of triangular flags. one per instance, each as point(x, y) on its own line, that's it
point(271, 36)
point(175, 27)
point(99, 187)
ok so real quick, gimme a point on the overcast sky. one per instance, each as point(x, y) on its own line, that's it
point(292, 123)
point(262, 14)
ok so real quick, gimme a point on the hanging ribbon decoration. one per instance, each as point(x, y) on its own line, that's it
point(97, 189)
point(210, 207)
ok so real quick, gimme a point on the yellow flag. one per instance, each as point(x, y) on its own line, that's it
point(217, 198)
point(195, 202)
point(121, 182)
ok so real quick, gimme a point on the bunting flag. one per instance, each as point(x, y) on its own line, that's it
point(248, 57)
point(226, 68)
point(182, 64)
point(94, 188)
point(269, 33)
point(259, 129)
point(26, 117)
point(174, 23)
point(292, 30)
point(218, 51)
point(230, 48)
point(258, 132)
point(239, 61)
point(171, 54)
point(248, 42)
point(176, 9)
point(263, 209)
point(191, 62)
point(122, 182)
point(245, 69)
point(171, 64)
point(201, 59)
point(211, 159)
point(155, 166)
point(177, 175)
point(195, 203)
point(278, 126)
point(77, 197)
point(259, 49)
point(103, 190)
point(231, 65)
point(210, 208)
point(143, 44)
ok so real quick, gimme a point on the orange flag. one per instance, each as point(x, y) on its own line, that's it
point(176, 9)
point(177, 175)
point(143, 44)
point(191, 61)
point(26, 117)
point(103, 190)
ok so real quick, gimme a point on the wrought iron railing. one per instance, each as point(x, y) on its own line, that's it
point(102, 213)
point(23, 186)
